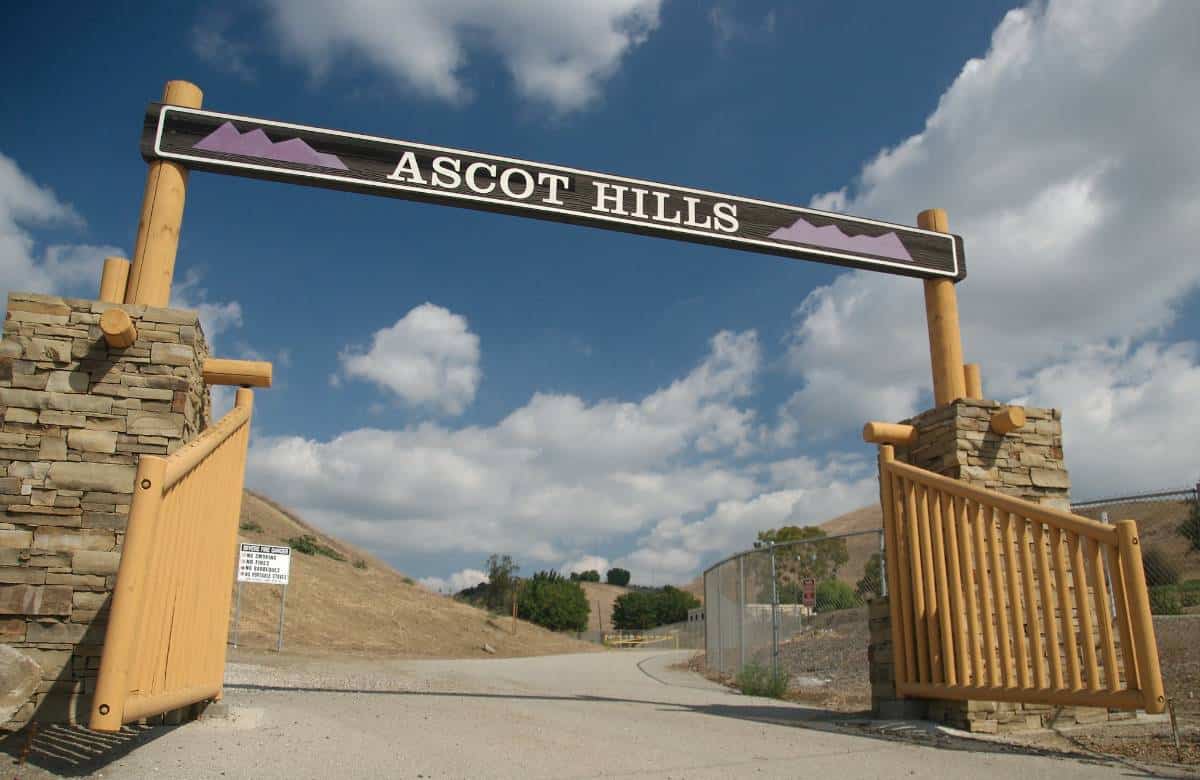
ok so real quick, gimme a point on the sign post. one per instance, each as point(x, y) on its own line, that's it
point(809, 584)
point(267, 564)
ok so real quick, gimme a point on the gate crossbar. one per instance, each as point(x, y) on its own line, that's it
point(165, 644)
point(998, 598)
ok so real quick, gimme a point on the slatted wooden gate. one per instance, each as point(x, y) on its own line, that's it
point(165, 644)
point(998, 598)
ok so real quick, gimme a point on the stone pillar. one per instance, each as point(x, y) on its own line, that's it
point(76, 416)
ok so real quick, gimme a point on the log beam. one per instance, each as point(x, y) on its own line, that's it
point(941, 317)
point(118, 329)
point(243, 373)
point(889, 433)
point(974, 381)
point(113, 279)
point(162, 213)
point(1008, 419)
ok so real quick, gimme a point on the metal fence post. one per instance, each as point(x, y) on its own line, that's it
point(774, 614)
point(883, 591)
point(742, 613)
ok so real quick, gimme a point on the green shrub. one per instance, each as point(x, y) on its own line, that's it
point(1159, 570)
point(635, 611)
point(359, 563)
point(673, 605)
point(1189, 597)
point(310, 545)
point(1164, 600)
point(1190, 585)
point(833, 595)
point(250, 526)
point(758, 680)
point(553, 602)
point(619, 577)
point(1190, 527)
point(409, 581)
point(591, 575)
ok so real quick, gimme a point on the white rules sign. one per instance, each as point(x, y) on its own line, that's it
point(264, 563)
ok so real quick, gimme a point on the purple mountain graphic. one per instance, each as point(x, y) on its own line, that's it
point(832, 237)
point(255, 143)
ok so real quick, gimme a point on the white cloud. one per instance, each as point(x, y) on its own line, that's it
point(557, 473)
point(807, 492)
point(428, 358)
point(1078, 215)
point(585, 563)
point(457, 581)
point(209, 42)
point(556, 51)
point(57, 269)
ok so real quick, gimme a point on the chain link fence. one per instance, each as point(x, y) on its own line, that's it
point(799, 609)
point(1169, 533)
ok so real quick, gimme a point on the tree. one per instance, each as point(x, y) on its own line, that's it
point(673, 604)
point(502, 572)
point(1190, 527)
point(591, 575)
point(554, 602)
point(1159, 569)
point(871, 584)
point(618, 577)
point(820, 558)
point(634, 611)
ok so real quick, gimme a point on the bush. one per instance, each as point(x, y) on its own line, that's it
point(310, 545)
point(553, 602)
point(619, 577)
point(1190, 528)
point(635, 611)
point(1164, 600)
point(833, 595)
point(1159, 570)
point(642, 609)
point(1189, 597)
point(409, 581)
point(250, 526)
point(758, 680)
point(359, 563)
point(591, 575)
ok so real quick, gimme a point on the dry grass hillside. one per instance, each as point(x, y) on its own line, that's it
point(859, 548)
point(336, 607)
point(1158, 522)
point(600, 598)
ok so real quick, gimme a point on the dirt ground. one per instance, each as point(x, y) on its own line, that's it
point(363, 607)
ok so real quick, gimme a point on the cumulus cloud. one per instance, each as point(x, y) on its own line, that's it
point(59, 268)
point(556, 474)
point(585, 563)
point(459, 580)
point(210, 42)
point(556, 51)
point(1078, 216)
point(428, 358)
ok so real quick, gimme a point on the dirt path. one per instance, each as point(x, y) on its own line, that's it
point(616, 714)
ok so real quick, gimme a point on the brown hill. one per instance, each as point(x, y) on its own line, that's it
point(600, 598)
point(1158, 522)
point(861, 547)
point(368, 608)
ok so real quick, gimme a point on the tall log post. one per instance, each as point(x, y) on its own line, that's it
point(974, 381)
point(941, 316)
point(162, 212)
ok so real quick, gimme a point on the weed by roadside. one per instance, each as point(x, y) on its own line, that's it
point(757, 680)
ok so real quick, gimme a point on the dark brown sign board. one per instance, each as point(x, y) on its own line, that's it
point(298, 154)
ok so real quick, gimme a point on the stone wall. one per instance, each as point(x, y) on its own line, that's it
point(76, 416)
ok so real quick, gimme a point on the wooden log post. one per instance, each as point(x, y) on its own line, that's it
point(113, 279)
point(941, 316)
point(1007, 420)
point(889, 433)
point(1141, 622)
point(243, 373)
point(162, 212)
point(973, 381)
point(118, 328)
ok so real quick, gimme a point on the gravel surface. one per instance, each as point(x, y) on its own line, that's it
point(615, 714)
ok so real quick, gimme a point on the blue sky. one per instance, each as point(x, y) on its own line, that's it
point(452, 383)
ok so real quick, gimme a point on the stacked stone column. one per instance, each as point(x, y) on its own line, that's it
point(76, 416)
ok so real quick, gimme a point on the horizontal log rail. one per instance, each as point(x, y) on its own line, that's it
point(998, 598)
point(165, 644)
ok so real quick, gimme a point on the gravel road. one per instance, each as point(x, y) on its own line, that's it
point(616, 714)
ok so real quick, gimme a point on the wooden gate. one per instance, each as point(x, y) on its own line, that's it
point(165, 644)
point(998, 598)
